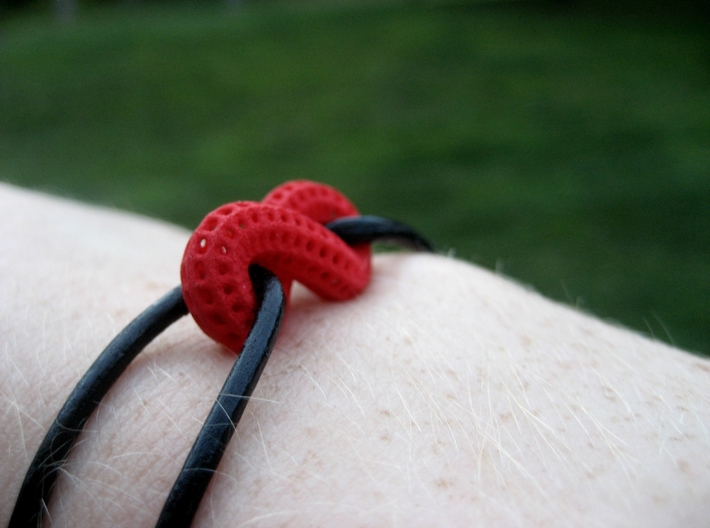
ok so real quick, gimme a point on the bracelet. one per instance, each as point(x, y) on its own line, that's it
point(236, 276)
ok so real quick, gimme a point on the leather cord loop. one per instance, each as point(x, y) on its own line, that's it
point(270, 294)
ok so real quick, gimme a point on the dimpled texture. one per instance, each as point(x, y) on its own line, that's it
point(284, 234)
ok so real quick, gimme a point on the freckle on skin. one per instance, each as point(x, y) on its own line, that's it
point(443, 483)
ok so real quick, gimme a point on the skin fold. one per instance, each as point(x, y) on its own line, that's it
point(443, 395)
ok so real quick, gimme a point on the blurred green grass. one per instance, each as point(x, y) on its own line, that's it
point(564, 148)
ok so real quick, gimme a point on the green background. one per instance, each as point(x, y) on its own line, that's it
point(566, 145)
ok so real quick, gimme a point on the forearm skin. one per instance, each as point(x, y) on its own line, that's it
point(443, 395)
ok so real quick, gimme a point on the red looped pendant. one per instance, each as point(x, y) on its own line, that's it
point(285, 234)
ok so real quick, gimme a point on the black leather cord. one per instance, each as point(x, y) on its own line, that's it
point(206, 453)
point(366, 229)
point(86, 396)
point(217, 431)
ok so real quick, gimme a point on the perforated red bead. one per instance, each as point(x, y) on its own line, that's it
point(284, 234)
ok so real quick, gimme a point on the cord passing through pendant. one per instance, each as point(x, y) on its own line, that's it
point(236, 274)
point(285, 234)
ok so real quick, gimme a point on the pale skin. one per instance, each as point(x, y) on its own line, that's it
point(444, 395)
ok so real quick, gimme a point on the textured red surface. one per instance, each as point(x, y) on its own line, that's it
point(284, 234)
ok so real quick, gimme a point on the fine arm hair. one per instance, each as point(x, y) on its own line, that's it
point(443, 395)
